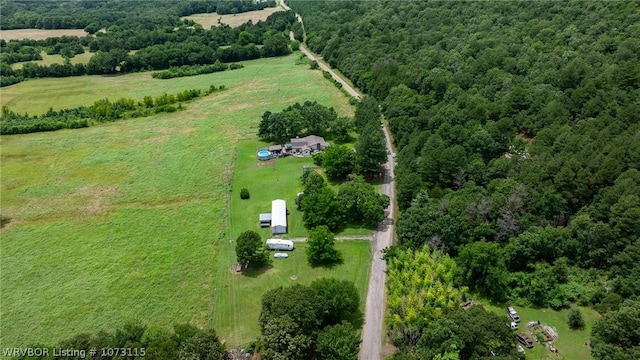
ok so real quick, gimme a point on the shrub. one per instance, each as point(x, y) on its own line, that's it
point(318, 158)
point(244, 194)
point(576, 321)
point(314, 65)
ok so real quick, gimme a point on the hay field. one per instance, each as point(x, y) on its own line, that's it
point(127, 220)
point(233, 20)
point(39, 34)
point(53, 59)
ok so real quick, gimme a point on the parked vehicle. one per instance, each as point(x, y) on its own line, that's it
point(279, 244)
point(280, 255)
point(513, 325)
point(524, 340)
point(513, 314)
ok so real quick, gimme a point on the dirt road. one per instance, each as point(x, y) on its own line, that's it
point(338, 238)
point(371, 346)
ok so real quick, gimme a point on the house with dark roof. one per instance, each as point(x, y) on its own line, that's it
point(308, 145)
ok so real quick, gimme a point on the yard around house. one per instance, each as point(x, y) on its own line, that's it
point(127, 220)
point(267, 181)
point(571, 344)
point(237, 302)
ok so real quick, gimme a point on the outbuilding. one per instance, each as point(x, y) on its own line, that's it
point(265, 220)
point(278, 217)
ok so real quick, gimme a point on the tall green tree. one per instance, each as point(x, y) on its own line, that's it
point(371, 150)
point(341, 127)
point(321, 247)
point(362, 203)
point(323, 208)
point(203, 345)
point(251, 250)
point(481, 267)
point(367, 113)
point(475, 332)
point(617, 334)
point(337, 300)
point(338, 161)
point(338, 342)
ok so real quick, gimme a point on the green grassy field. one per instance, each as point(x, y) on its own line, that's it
point(570, 343)
point(260, 84)
point(237, 301)
point(127, 220)
point(234, 20)
point(56, 59)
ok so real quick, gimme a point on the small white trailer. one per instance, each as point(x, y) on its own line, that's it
point(279, 244)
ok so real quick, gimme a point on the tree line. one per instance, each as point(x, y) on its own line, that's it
point(157, 48)
point(517, 128)
point(192, 70)
point(138, 341)
point(95, 15)
point(101, 111)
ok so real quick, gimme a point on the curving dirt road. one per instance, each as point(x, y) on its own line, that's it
point(371, 346)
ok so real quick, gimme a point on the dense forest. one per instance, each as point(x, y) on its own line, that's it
point(518, 136)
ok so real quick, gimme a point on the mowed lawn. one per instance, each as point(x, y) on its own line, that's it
point(237, 301)
point(571, 344)
point(127, 221)
point(267, 181)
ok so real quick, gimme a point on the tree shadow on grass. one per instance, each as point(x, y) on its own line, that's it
point(255, 272)
point(327, 264)
point(356, 226)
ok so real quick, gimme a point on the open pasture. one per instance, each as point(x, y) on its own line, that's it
point(234, 20)
point(39, 34)
point(127, 220)
point(56, 59)
point(272, 76)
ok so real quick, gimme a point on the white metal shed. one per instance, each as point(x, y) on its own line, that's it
point(278, 217)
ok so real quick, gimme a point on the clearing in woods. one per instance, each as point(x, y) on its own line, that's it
point(233, 20)
point(571, 344)
point(56, 59)
point(127, 220)
point(39, 34)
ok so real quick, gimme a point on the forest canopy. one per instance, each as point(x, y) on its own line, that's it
point(518, 135)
